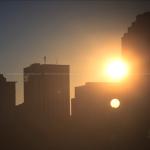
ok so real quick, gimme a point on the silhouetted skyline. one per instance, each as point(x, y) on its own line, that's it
point(78, 33)
point(43, 121)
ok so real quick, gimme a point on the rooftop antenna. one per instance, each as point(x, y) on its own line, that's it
point(44, 59)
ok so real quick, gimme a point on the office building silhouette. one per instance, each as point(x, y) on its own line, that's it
point(92, 100)
point(136, 45)
point(136, 51)
point(46, 91)
point(7, 97)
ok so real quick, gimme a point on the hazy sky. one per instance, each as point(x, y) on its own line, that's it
point(82, 34)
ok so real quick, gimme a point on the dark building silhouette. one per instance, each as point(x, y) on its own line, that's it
point(136, 44)
point(100, 124)
point(106, 127)
point(92, 100)
point(136, 51)
point(7, 110)
point(46, 91)
point(7, 96)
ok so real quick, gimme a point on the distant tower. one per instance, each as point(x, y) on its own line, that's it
point(46, 91)
point(44, 59)
point(7, 96)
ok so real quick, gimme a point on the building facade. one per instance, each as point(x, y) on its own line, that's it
point(7, 97)
point(92, 100)
point(136, 51)
point(136, 45)
point(46, 91)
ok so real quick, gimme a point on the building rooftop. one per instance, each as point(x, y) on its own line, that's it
point(46, 65)
point(47, 68)
point(99, 84)
point(2, 78)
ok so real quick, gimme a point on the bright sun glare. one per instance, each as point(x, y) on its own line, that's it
point(115, 103)
point(117, 70)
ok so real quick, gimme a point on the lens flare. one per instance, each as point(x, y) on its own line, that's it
point(115, 103)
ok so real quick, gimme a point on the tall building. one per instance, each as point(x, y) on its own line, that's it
point(136, 45)
point(136, 51)
point(46, 91)
point(7, 96)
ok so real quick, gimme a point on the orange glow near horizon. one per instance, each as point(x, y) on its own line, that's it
point(117, 70)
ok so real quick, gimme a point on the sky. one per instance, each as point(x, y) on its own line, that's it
point(84, 34)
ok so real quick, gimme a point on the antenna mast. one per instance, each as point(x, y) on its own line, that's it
point(44, 59)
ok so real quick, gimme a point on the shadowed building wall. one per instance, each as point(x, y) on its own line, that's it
point(7, 97)
point(93, 115)
point(136, 51)
point(136, 45)
point(46, 91)
point(92, 100)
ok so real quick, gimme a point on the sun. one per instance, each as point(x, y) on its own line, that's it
point(117, 70)
point(115, 103)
